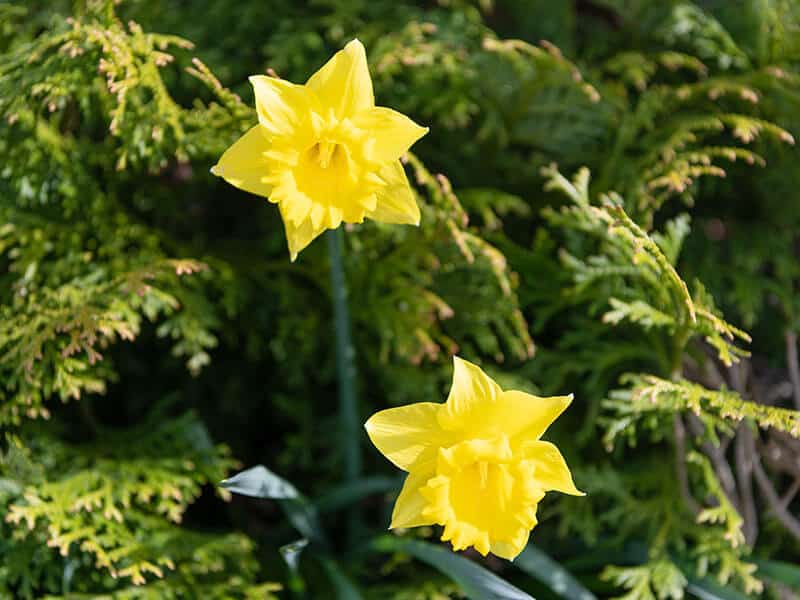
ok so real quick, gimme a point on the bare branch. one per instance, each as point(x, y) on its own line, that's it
point(740, 375)
point(787, 498)
point(780, 511)
point(747, 457)
point(680, 464)
point(744, 451)
point(793, 365)
point(718, 460)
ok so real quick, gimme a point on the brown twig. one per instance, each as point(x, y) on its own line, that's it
point(680, 464)
point(744, 455)
point(744, 452)
point(793, 365)
point(787, 498)
point(716, 454)
point(718, 460)
point(747, 456)
point(781, 512)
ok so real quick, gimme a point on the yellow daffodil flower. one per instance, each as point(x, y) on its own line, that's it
point(324, 152)
point(475, 464)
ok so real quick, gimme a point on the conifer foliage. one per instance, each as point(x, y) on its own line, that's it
point(609, 201)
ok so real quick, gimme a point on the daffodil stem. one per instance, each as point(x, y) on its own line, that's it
point(345, 370)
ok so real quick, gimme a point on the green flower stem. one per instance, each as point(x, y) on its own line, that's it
point(346, 372)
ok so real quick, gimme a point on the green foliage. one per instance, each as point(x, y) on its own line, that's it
point(146, 308)
point(51, 340)
point(719, 410)
point(117, 500)
point(659, 579)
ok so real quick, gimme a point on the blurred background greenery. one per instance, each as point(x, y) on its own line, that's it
point(154, 337)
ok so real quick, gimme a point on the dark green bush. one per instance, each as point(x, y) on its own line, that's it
point(603, 181)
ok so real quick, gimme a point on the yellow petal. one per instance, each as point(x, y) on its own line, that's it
point(295, 207)
point(551, 471)
point(392, 133)
point(527, 416)
point(410, 503)
point(283, 108)
point(477, 407)
point(510, 549)
point(395, 202)
point(298, 234)
point(408, 435)
point(343, 83)
point(471, 396)
point(244, 164)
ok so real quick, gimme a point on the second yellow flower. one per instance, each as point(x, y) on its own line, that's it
point(475, 464)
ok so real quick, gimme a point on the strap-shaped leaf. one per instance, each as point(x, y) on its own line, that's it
point(783, 572)
point(291, 556)
point(707, 589)
point(260, 482)
point(291, 553)
point(475, 581)
point(349, 493)
point(560, 581)
point(343, 587)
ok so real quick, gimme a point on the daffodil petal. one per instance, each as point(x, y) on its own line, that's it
point(551, 471)
point(408, 435)
point(343, 83)
point(510, 549)
point(299, 234)
point(527, 416)
point(471, 396)
point(392, 133)
point(284, 108)
point(477, 407)
point(395, 202)
point(244, 164)
point(410, 503)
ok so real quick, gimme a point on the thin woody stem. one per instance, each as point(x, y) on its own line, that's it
point(678, 428)
point(792, 363)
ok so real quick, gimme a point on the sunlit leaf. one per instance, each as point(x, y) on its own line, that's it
point(260, 482)
point(536, 563)
point(475, 581)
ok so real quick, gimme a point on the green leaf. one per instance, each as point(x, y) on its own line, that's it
point(475, 581)
point(291, 556)
point(782, 572)
point(708, 589)
point(260, 482)
point(291, 553)
point(9, 487)
point(348, 493)
point(536, 563)
point(345, 589)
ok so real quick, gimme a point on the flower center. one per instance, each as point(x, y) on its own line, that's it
point(322, 177)
point(326, 153)
point(480, 491)
point(326, 172)
point(482, 494)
